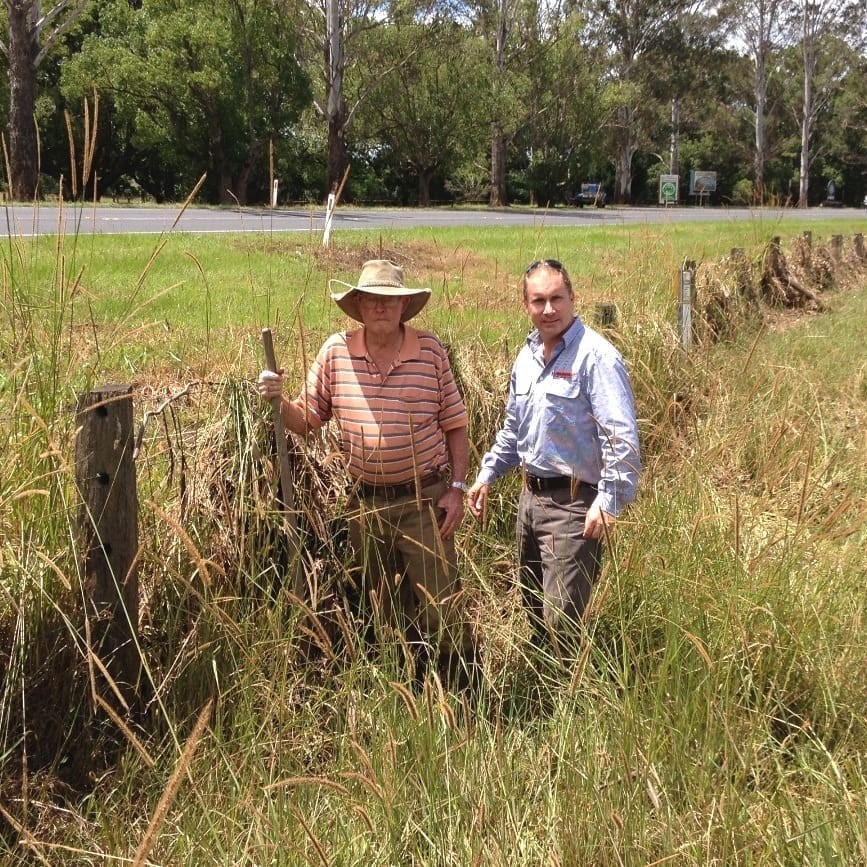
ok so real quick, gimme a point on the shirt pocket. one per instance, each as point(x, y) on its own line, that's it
point(561, 388)
point(563, 400)
point(523, 385)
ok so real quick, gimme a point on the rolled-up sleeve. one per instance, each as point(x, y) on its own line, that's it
point(613, 408)
point(503, 455)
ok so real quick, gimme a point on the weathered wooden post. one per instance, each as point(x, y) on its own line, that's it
point(741, 268)
point(108, 521)
point(859, 246)
point(808, 239)
point(686, 303)
point(837, 248)
point(606, 314)
point(774, 256)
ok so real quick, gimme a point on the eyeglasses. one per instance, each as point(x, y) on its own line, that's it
point(553, 264)
point(370, 300)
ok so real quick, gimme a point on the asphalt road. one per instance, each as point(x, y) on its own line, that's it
point(42, 219)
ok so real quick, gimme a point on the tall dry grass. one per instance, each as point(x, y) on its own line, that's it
point(713, 716)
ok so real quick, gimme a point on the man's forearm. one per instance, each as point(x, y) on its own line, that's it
point(459, 450)
point(296, 418)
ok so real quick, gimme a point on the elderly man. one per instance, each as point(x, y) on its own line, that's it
point(403, 433)
point(570, 425)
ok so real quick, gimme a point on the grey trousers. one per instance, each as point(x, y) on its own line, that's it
point(558, 566)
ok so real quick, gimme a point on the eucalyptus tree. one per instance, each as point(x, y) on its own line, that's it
point(758, 26)
point(331, 36)
point(630, 32)
point(518, 35)
point(688, 65)
point(499, 20)
point(559, 143)
point(32, 32)
point(818, 27)
point(424, 112)
point(838, 150)
point(206, 85)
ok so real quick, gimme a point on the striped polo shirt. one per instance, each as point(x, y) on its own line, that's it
point(392, 428)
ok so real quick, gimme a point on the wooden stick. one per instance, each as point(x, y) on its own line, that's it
point(287, 492)
point(279, 430)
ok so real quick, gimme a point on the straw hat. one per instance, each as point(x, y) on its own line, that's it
point(379, 277)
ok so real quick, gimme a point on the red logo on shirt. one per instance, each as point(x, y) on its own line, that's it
point(564, 374)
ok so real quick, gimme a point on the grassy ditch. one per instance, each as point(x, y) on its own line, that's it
point(716, 715)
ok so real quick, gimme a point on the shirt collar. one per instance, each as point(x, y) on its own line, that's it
point(573, 333)
point(410, 349)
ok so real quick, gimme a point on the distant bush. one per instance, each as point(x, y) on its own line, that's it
point(743, 192)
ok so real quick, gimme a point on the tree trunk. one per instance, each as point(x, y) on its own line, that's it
point(499, 198)
point(761, 94)
point(674, 146)
point(335, 105)
point(625, 153)
point(336, 153)
point(809, 54)
point(498, 195)
point(218, 163)
point(23, 141)
point(242, 184)
point(424, 179)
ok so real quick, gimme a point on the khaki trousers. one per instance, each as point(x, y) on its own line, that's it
point(409, 572)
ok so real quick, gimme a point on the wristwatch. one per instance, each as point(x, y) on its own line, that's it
point(461, 486)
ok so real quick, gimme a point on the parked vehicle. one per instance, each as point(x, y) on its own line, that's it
point(591, 194)
point(864, 203)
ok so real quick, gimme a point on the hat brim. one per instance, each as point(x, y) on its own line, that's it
point(347, 301)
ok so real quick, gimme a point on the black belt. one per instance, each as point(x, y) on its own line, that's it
point(392, 492)
point(541, 484)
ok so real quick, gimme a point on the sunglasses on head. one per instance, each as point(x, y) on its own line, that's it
point(553, 264)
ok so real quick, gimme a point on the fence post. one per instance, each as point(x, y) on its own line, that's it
point(859, 246)
point(837, 248)
point(686, 303)
point(606, 314)
point(108, 531)
point(808, 239)
point(774, 255)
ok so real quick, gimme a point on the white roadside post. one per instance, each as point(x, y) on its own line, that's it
point(686, 300)
point(329, 214)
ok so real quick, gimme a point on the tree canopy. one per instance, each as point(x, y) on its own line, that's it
point(425, 100)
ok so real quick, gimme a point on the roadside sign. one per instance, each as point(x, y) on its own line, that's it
point(668, 189)
point(702, 183)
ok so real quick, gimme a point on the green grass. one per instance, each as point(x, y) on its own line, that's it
point(194, 303)
point(716, 716)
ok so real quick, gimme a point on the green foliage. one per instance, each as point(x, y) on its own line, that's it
point(197, 87)
point(423, 113)
point(584, 93)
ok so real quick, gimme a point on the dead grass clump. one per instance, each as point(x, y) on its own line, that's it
point(447, 270)
point(235, 500)
point(852, 269)
point(782, 285)
point(812, 265)
point(460, 277)
point(728, 297)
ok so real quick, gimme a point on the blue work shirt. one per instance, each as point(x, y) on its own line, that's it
point(574, 416)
